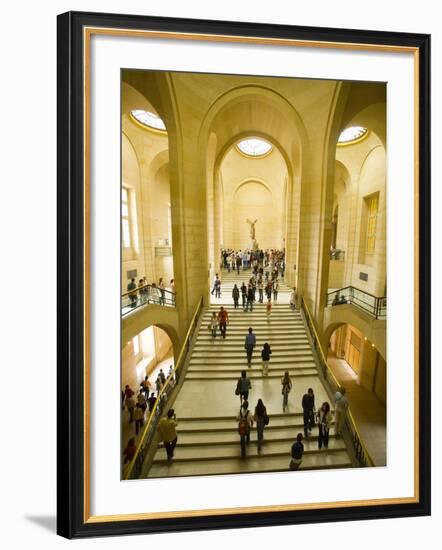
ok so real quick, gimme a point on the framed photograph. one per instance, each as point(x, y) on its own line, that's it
point(243, 274)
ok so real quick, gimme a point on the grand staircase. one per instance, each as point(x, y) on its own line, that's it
point(206, 407)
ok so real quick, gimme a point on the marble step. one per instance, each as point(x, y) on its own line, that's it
point(279, 337)
point(238, 351)
point(225, 432)
point(254, 371)
point(220, 345)
point(314, 461)
point(256, 358)
point(299, 373)
point(225, 422)
point(232, 450)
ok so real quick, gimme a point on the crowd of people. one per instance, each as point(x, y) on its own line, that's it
point(321, 418)
point(154, 293)
point(139, 405)
point(264, 262)
point(312, 418)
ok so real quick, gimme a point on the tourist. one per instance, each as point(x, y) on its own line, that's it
point(133, 295)
point(265, 356)
point(244, 294)
point(162, 289)
point(275, 290)
point(162, 377)
point(269, 309)
point(308, 410)
point(167, 432)
point(141, 401)
point(249, 344)
point(128, 391)
point(243, 386)
point(223, 320)
point(296, 453)
point(158, 384)
point(293, 299)
point(341, 406)
point(245, 423)
point(250, 298)
point(139, 418)
point(286, 388)
point(235, 295)
point(130, 450)
point(216, 278)
point(261, 418)
point(218, 288)
point(146, 386)
point(152, 400)
point(324, 422)
point(336, 299)
point(130, 404)
point(238, 263)
point(268, 290)
point(213, 325)
point(261, 291)
point(171, 376)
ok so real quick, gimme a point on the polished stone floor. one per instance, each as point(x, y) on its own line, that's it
point(368, 411)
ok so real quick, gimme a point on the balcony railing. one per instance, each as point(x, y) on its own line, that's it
point(374, 305)
point(162, 402)
point(362, 455)
point(144, 295)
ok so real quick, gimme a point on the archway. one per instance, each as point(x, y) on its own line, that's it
point(260, 112)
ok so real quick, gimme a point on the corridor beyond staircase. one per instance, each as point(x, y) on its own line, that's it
point(206, 407)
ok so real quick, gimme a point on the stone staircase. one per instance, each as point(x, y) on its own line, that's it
point(206, 407)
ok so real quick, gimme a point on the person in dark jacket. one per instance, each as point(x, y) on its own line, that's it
point(261, 420)
point(308, 408)
point(297, 452)
point(250, 298)
point(249, 344)
point(265, 356)
point(244, 295)
point(243, 386)
point(235, 295)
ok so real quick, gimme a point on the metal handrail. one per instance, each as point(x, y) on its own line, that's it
point(360, 449)
point(355, 288)
point(144, 295)
point(162, 396)
point(147, 285)
point(377, 308)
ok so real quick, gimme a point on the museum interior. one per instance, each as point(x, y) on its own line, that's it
point(288, 175)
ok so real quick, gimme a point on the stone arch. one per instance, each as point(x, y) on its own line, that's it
point(367, 328)
point(266, 109)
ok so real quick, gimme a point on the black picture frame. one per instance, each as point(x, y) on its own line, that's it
point(71, 509)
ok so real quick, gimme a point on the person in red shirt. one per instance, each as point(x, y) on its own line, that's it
point(223, 320)
point(128, 391)
point(130, 450)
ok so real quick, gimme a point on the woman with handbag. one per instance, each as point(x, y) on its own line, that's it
point(262, 419)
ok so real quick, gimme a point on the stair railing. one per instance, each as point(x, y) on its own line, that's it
point(136, 465)
point(374, 305)
point(361, 453)
point(146, 295)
